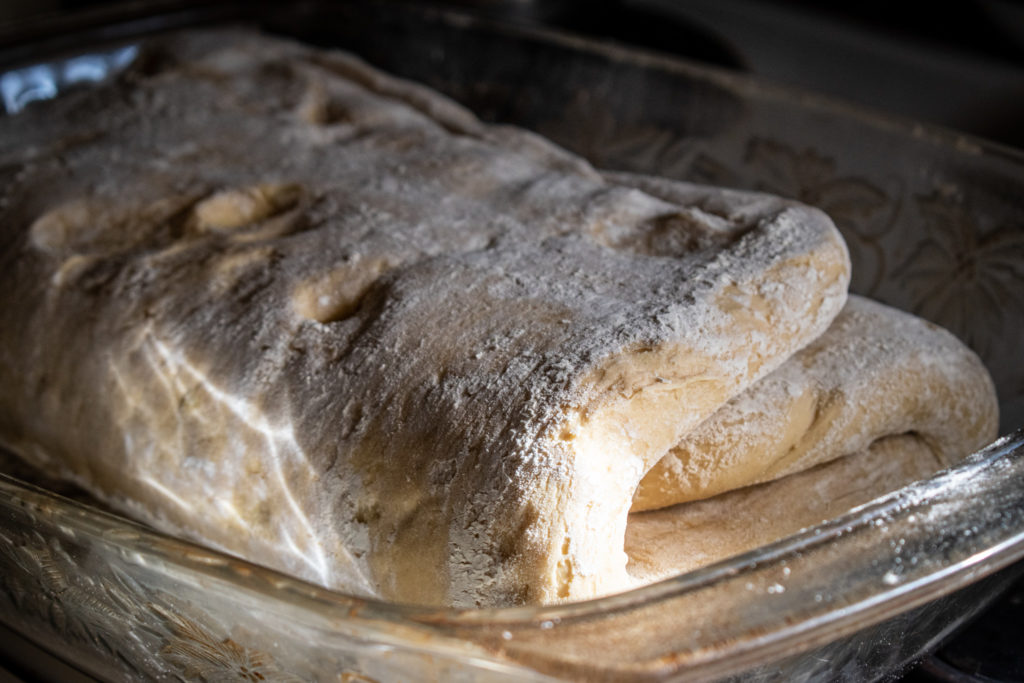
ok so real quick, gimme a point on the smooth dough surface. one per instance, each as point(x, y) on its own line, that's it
point(267, 297)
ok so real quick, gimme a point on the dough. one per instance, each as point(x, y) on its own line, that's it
point(663, 543)
point(876, 372)
point(268, 298)
point(880, 400)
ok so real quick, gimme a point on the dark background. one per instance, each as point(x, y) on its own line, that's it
point(959, 63)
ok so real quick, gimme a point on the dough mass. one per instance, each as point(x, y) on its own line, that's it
point(266, 297)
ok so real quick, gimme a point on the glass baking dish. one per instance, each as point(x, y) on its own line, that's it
point(935, 223)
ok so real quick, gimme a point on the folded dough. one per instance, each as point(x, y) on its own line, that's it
point(880, 400)
point(266, 297)
point(876, 372)
point(663, 543)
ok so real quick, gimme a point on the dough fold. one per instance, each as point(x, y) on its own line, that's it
point(876, 372)
point(878, 401)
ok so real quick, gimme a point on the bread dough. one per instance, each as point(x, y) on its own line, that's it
point(268, 298)
point(663, 543)
point(876, 372)
point(880, 400)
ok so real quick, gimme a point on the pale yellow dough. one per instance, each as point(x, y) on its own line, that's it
point(880, 400)
point(876, 372)
point(666, 542)
point(268, 298)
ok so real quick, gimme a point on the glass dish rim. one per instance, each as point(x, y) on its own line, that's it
point(200, 559)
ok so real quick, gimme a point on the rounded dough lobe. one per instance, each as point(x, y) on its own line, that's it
point(876, 372)
point(672, 540)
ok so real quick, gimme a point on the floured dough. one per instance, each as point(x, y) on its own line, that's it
point(876, 372)
point(269, 298)
point(880, 400)
point(663, 543)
